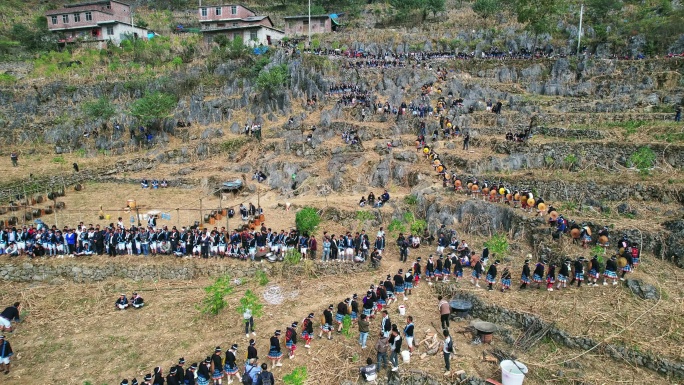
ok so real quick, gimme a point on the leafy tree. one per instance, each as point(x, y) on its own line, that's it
point(251, 301)
point(273, 79)
point(215, 299)
point(643, 159)
point(540, 16)
point(486, 8)
point(307, 220)
point(99, 109)
point(600, 10)
point(153, 108)
point(33, 38)
point(434, 6)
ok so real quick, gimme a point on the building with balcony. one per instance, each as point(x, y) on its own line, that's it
point(237, 21)
point(94, 21)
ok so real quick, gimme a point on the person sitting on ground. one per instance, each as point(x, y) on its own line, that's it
point(155, 184)
point(385, 197)
point(144, 183)
point(122, 302)
point(369, 372)
point(9, 315)
point(137, 301)
point(362, 202)
point(164, 183)
point(165, 248)
point(371, 198)
point(12, 250)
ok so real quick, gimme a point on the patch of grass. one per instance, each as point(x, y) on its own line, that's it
point(396, 226)
point(232, 145)
point(292, 257)
point(363, 216)
point(643, 159)
point(411, 200)
point(296, 377)
point(59, 160)
point(261, 277)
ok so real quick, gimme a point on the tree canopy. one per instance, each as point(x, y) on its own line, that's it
point(153, 108)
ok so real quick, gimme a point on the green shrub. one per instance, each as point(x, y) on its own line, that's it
point(411, 200)
point(396, 226)
point(101, 108)
point(232, 145)
point(153, 108)
point(274, 79)
point(497, 244)
point(307, 220)
point(214, 300)
point(292, 257)
point(296, 377)
point(58, 160)
point(418, 226)
point(409, 217)
point(363, 216)
point(346, 326)
point(643, 159)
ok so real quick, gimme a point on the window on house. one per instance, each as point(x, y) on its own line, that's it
point(54, 19)
point(89, 16)
point(253, 35)
point(77, 17)
point(233, 10)
point(322, 23)
point(65, 19)
point(110, 31)
point(218, 11)
point(204, 12)
point(219, 25)
point(235, 24)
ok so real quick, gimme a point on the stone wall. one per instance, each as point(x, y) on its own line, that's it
point(503, 316)
point(85, 271)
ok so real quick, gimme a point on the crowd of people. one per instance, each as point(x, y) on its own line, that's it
point(155, 184)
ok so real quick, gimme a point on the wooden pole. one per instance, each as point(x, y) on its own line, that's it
point(201, 221)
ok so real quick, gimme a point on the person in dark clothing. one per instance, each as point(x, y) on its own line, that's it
point(204, 371)
point(327, 324)
point(265, 377)
point(171, 377)
point(9, 315)
point(491, 275)
point(274, 353)
point(252, 350)
point(180, 371)
point(611, 271)
point(466, 141)
point(579, 272)
point(538, 275)
point(231, 369)
point(189, 377)
point(525, 277)
point(5, 354)
point(158, 377)
point(216, 368)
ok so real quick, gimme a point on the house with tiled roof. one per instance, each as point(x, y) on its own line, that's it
point(238, 21)
point(94, 21)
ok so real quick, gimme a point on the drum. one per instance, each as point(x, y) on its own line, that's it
point(447, 176)
point(523, 199)
point(470, 185)
point(485, 191)
point(553, 215)
point(440, 169)
point(588, 230)
point(492, 193)
point(516, 196)
point(530, 202)
point(502, 190)
point(474, 187)
point(542, 207)
point(436, 162)
point(458, 183)
point(509, 197)
point(603, 240)
point(426, 150)
point(575, 233)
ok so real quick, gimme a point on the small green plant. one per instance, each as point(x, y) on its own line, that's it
point(296, 377)
point(396, 226)
point(307, 220)
point(214, 301)
point(292, 257)
point(346, 326)
point(233, 145)
point(497, 245)
point(570, 160)
point(261, 277)
point(363, 216)
point(418, 226)
point(409, 218)
point(58, 160)
point(251, 301)
point(411, 200)
point(643, 159)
